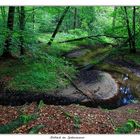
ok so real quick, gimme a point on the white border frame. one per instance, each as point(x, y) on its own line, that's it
point(69, 2)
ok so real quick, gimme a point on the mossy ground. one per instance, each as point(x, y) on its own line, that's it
point(34, 75)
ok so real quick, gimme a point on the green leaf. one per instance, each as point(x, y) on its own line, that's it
point(36, 129)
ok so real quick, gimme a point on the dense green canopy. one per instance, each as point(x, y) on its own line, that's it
point(31, 22)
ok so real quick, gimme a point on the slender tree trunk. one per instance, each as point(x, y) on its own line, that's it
point(134, 31)
point(33, 18)
point(22, 27)
point(70, 25)
point(10, 25)
point(75, 18)
point(58, 25)
point(128, 29)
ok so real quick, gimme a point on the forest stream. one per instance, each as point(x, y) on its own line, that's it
point(106, 85)
point(126, 74)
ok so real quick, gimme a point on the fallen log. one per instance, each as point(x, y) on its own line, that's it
point(90, 36)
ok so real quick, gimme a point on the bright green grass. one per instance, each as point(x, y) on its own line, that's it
point(61, 36)
point(41, 73)
point(40, 70)
point(57, 48)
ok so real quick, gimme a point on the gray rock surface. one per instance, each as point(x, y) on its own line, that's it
point(97, 84)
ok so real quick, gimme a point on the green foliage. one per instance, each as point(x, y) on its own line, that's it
point(76, 122)
point(40, 69)
point(78, 32)
point(67, 114)
point(23, 119)
point(75, 118)
point(127, 127)
point(131, 111)
point(38, 73)
point(36, 129)
point(94, 57)
point(125, 54)
point(27, 118)
point(3, 34)
point(8, 128)
point(47, 21)
point(41, 104)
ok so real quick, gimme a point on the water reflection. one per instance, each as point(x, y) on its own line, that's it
point(126, 93)
point(126, 96)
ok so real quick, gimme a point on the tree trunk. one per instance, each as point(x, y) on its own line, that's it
point(128, 29)
point(22, 27)
point(10, 25)
point(33, 18)
point(134, 31)
point(58, 25)
point(75, 18)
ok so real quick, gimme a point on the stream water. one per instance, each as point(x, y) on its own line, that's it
point(126, 95)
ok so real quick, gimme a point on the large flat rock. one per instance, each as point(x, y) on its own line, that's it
point(98, 85)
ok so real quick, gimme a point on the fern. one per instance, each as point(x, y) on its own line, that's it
point(26, 118)
point(76, 122)
point(127, 127)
